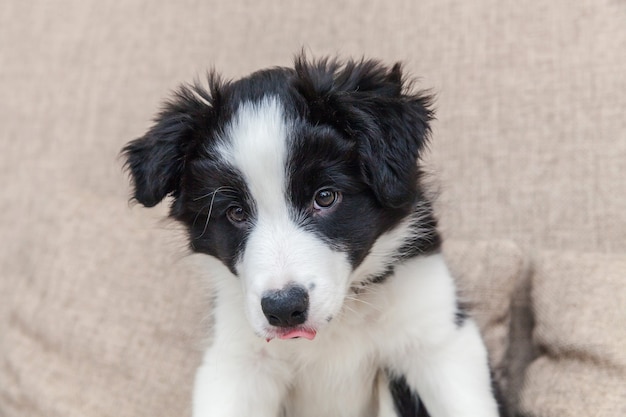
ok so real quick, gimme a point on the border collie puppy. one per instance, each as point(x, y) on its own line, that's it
point(303, 187)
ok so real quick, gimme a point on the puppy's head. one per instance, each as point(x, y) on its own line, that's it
point(290, 177)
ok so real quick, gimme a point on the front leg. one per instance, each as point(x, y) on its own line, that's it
point(240, 375)
point(442, 361)
point(452, 378)
point(234, 382)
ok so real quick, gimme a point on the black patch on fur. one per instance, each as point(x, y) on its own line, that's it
point(156, 161)
point(177, 157)
point(426, 239)
point(382, 277)
point(211, 188)
point(370, 105)
point(461, 314)
point(320, 157)
point(459, 317)
point(406, 401)
point(362, 137)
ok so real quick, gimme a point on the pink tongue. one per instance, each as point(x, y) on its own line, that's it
point(307, 334)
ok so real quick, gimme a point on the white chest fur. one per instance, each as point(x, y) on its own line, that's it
point(404, 326)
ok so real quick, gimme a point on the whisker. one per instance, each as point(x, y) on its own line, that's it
point(224, 190)
point(208, 217)
point(346, 307)
point(367, 303)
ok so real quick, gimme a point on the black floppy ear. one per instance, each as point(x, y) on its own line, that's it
point(157, 159)
point(393, 130)
point(370, 103)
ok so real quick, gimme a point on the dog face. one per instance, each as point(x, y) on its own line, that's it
point(292, 178)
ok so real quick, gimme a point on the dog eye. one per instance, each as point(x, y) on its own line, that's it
point(325, 199)
point(236, 215)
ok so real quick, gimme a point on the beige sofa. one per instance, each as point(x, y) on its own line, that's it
point(103, 313)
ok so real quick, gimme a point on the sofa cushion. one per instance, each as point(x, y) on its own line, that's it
point(102, 320)
point(579, 301)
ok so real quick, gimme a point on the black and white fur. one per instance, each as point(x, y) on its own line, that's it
point(303, 187)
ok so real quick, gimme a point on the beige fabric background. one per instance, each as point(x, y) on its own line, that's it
point(529, 147)
point(582, 337)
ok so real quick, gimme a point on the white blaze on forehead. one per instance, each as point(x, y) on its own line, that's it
point(256, 144)
point(278, 252)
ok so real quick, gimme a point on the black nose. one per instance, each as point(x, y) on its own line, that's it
point(287, 307)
